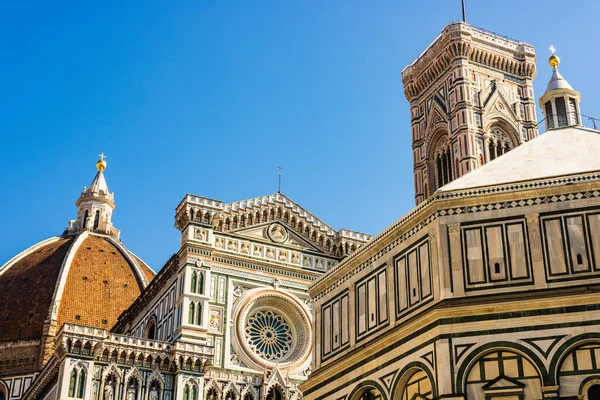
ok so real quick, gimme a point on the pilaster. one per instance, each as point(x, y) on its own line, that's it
point(456, 259)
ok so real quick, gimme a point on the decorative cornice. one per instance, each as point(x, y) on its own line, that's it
point(440, 204)
point(240, 215)
point(458, 41)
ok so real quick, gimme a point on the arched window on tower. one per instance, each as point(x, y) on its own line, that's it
point(86, 214)
point(81, 384)
point(192, 313)
point(72, 383)
point(97, 219)
point(199, 314)
point(549, 115)
point(200, 283)
point(561, 112)
point(443, 162)
point(499, 142)
point(77, 383)
point(194, 282)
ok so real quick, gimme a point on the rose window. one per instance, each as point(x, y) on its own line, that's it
point(269, 335)
point(272, 328)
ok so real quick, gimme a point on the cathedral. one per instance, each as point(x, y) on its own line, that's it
point(486, 290)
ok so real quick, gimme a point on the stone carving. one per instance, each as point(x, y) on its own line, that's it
point(271, 254)
point(295, 258)
point(283, 256)
point(309, 303)
point(219, 243)
point(306, 262)
point(232, 245)
point(108, 392)
point(200, 234)
point(257, 251)
point(454, 228)
point(532, 219)
point(214, 321)
point(153, 395)
point(277, 233)
point(238, 291)
point(245, 249)
point(319, 264)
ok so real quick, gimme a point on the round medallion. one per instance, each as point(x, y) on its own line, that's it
point(277, 233)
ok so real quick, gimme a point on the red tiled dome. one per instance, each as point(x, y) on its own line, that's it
point(87, 279)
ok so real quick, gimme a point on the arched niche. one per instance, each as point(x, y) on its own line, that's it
point(414, 383)
point(368, 390)
point(501, 372)
point(579, 371)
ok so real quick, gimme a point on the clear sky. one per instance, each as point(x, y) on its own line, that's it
point(209, 97)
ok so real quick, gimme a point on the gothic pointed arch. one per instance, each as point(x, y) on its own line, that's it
point(213, 386)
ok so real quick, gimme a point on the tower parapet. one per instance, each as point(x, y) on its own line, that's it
point(471, 100)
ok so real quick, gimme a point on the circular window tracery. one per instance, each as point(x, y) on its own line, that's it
point(273, 328)
point(269, 335)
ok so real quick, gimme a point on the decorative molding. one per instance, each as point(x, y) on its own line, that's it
point(326, 285)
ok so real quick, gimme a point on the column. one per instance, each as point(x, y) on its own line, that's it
point(486, 149)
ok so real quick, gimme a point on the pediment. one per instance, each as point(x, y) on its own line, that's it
point(436, 115)
point(498, 102)
point(276, 233)
point(502, 383)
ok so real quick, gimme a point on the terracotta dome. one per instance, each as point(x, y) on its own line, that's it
point(86, 276)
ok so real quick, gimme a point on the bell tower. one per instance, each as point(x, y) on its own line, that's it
point(471, 100)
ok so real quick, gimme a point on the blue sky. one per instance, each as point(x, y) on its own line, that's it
point(209, 97)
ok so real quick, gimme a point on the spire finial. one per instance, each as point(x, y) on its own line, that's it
point(101, 164)
point(464, 11)
point(554, 59)
point(280, 168)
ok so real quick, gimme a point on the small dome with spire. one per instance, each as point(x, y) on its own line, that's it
point(560, 102)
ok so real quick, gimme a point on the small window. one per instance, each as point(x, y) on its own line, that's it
point(579, 259)
point(97, 219)
point(497, 268)
point(549, 115)
point(151, 331)
point(85, 217)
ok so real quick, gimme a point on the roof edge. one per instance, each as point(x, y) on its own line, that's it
point(26, 252)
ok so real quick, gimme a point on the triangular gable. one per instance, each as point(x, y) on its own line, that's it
point(261, 233)
point(498, 103)
point(502, 383)
point(436, 115)
point(276, 378)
